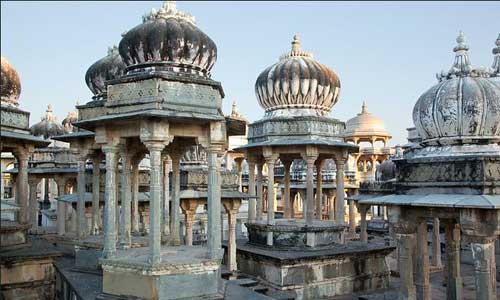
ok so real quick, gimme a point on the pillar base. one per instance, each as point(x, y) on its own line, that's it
point(184, 272)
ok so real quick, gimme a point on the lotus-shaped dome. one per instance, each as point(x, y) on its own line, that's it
point(10, 85)
point(168, 40)
point(297, 84)
point(365, 124)
point(48, 126)
point(109, 67)
point(464, 107)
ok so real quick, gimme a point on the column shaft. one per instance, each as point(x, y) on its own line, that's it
point(214, 205)
point(231, 256)
point(339, 209)
point(126, 199)
point(81, 224)
point(189, 228)
point(110, 203)
point(310, 191)
point(454, 279)
point(174, 212)
point(363, 232)
point(483, 254)
point(422, 281)
point(407, 286)
point(22, 188)
point(166, 197)
point(260, 184)
point(61, 208)
point(270, 198)
point(319, 190)
point(95, 194)
point(251, 191)
point(155, 202)
point(33, 204)
point(436, 244)
point(135, 196)
point(286, 198)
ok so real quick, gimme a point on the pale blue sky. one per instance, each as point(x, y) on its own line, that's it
point(384, 53)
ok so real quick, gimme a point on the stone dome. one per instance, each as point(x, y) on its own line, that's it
point(48, 126)
point(109, 67)
point(386, 170)
point(464, 107)
point(365, 124)
point(297, 85)
point(10, 86)
point(168, 40)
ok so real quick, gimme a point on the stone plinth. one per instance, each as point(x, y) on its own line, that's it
point(319, 274)
point(295, 234)
point(12, 234)
point(184, 272)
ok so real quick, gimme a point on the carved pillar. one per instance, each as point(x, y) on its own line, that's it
point(174, 212)
point(483, 254)
point(270, 161)
point(422, 281)
point(260, 183)
point(109, 250)
point(319, 189)
point(61, 206)
point(81, 228)
point(352, 218)
point(22, 186)
point(96, 162)
point(309, 203)
point(286, 196)
point(166, 197)
point(239, 168)
point(135, 195)
point(189, 207)
point(155, 191)
point(407, 286)
point(251, 191)
point(214, 204)
point(232, 206)
point(436, 245)
point(363, 209)
point(454, 279)
point(339, 203)
point(126, 199)
point(33, 183)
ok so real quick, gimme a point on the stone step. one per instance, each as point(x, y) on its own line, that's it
point(260, 288)
point(280, 295)
point(245, 282)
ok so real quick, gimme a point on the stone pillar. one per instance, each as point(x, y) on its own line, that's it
point(33, 183)
point(251, 191)
point(232, 206)
point(96, 162)
point(155, 191)
point(135, 196)
point(422, 273)
point(363, 209)
point(174, 212)
point(22, 186)
point(260, 180)
point(319, 189)
point(166, 197)
point(339, 203)
point(214, 204)
point(189, 227)
point(436, 245)
point(352, 218)
point(126, 199)
point(309, 203)
point(239, 168)
point(270, 160)
point(109, 250)
point(454, 279)
point(81, 228)
point(61, 206)
point(483, 255)
point(286, 194)
point(407, 286)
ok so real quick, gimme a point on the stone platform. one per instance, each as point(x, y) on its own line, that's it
point(318, 274)
point(295, 234)
point(12, 234)
point(184, 272)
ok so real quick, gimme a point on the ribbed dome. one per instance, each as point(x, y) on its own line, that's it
point(365, 124)
point(109, 67)
point(298, 85)
point(48, 126)
point(168, 40)
point(464, 107)
point(10, 85)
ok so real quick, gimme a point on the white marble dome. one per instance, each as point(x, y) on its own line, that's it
point(463, 108)
point(297, 85)
point(365, 124)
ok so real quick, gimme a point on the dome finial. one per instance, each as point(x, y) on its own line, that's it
point(496, 58)
point(364, 109)
point(296, 43)
point(168, 10)
point(462, 65)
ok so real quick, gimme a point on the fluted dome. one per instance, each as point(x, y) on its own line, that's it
point(464, 107)
point(48, 126)
point(10, 85)
point(109, 67)
point(365, 124)
point(297, 84)
point(168, 39)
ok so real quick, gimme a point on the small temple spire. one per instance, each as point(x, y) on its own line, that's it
point(496, 58)
point(461, 65)
point(170, 5)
